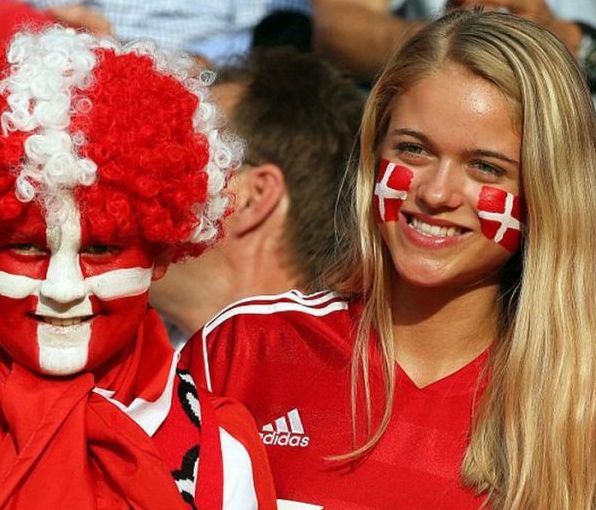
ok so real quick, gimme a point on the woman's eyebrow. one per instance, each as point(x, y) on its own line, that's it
point(410, 132)
point(493, 154)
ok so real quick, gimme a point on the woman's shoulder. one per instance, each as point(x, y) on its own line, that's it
point(260, 334)
point(287, 309)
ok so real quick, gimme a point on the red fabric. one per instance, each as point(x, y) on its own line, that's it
point(294, 353)
point(63, 446)
point(239, 423)
point(211, 454)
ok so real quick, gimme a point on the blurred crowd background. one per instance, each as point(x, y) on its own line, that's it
point(356, 35)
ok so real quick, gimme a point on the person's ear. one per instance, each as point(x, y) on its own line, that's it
point(258, 192)
point(160, 265)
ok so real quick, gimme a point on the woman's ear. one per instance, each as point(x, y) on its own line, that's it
point(160, 264)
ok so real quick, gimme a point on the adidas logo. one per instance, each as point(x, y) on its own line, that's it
point(285, 431)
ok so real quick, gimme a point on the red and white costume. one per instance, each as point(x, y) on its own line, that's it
point(109, 156)
point(287, 358)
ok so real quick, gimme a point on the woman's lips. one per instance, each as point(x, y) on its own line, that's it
point(428, 232)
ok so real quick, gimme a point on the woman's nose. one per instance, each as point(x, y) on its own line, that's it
point(441, 187)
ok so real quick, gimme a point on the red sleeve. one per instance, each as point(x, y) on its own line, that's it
point(237, 422)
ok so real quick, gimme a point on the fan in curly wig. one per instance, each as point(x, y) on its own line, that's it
point(123, 128)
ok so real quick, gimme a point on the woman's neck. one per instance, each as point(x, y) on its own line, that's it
point(437, 331)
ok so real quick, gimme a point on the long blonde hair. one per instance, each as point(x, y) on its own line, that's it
point(533, 442)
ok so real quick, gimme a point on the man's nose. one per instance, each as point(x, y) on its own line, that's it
point(441, 187)
point(64, 281)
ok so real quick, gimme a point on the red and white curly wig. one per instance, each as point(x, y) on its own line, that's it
point(124, 127)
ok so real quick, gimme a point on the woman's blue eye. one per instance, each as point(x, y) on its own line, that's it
point(488, 169)
point(411, 148)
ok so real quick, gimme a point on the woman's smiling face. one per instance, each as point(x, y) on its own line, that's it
point(456, 137)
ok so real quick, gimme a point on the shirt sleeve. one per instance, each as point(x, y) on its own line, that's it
point(247, 483)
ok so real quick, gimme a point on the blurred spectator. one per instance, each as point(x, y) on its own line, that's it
point(572, 21)
point(213, 29)
point(284, 28)
point(299, 117)
point(361, 34)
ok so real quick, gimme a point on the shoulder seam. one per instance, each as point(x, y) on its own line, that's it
point(297, 303)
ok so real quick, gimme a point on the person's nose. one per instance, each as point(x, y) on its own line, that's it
point(64, 282)
point(441, 187)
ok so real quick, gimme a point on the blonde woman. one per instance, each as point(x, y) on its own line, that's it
point(467, 337)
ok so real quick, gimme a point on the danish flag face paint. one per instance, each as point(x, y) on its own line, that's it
point(68, 304)
point(500, 216)
point(391, 189)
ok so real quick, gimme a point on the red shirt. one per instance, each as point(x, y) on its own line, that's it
point(287, 358)
point(144, 437)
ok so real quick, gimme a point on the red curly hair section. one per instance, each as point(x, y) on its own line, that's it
point(137, 126)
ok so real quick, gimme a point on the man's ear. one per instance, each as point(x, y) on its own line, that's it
point(160, 265)
point(258, 192)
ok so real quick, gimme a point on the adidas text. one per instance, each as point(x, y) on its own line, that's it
point(284, 439)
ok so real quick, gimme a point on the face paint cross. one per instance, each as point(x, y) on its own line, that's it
point(391, 189)
point(500, 217)
point(77, 309)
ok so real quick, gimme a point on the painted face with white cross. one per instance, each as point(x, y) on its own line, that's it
point(68, 302)
point(454, 155)
point(99, 186)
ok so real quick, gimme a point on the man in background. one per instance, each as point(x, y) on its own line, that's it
point(299, 117)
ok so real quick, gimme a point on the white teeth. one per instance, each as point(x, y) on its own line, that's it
point(54, 321)
point(433, 230)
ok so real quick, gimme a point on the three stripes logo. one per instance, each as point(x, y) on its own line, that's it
point(285, 431)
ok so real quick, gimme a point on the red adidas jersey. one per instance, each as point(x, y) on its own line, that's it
point(288, 358)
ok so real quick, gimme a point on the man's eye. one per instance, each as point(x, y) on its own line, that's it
point(101, 249)
point(27, 249)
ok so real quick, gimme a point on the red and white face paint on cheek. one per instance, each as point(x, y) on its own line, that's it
point(77, 311)
point(391, 190)
point(500, 214)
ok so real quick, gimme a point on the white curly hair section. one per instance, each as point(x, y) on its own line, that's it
point(225, 150)
point(45, 67)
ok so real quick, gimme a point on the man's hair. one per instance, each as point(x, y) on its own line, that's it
point(301, 114)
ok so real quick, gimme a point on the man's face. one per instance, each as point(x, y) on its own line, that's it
point(68, 302)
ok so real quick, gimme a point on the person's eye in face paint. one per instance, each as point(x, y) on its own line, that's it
point(99, 250)
point(28, 249)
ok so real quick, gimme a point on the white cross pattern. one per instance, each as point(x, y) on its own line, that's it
point(384, 192)
point(505, 219)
